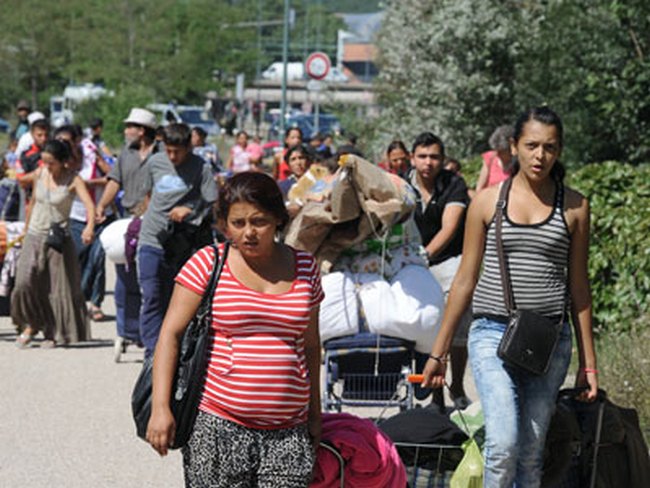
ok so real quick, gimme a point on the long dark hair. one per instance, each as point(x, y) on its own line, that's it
point(258, 189)
point(396, 144)
point(545, 116)
point(60, 150)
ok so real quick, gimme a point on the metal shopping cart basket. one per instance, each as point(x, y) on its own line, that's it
point(368, 370)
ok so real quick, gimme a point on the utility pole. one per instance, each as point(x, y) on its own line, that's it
point(285, 59)
point(258, 70)
point(258, 64)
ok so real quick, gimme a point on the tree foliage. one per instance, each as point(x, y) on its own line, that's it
point(463, 67)
point(170, 48)
point(619, 266)
point(446, 66)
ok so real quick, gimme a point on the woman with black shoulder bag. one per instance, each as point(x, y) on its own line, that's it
point(47, 296)
point(531, 234)
point(259, 417)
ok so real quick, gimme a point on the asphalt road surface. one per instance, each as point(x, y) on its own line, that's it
point(66, 416)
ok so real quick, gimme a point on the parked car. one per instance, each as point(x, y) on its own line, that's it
point(327, 124)
point(292, 121)
point(192, 115)
point(4, 126)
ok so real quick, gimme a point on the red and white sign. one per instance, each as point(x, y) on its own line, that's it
point(317, 65)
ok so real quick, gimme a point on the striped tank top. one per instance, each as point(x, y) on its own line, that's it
point(537, 259)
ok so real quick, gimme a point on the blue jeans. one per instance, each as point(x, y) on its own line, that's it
point(127, 303)
point(156, 279)
point(92, 261)
point(517, 406)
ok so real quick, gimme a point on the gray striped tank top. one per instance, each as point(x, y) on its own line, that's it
point(537, 259)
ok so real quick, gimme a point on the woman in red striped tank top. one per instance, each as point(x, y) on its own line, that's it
point(259, 415)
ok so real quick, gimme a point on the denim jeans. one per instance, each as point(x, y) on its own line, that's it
point(156, 280)
point(127, 303)
point(517, 406)
point(92, 261)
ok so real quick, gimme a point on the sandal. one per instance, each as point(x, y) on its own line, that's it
point(96, 314)
point(23, 341)
point(48, 344)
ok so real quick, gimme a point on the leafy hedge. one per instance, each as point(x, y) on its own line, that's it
point(619, 259)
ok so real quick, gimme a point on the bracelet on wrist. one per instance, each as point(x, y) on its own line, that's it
point(440, 359)
point(590, 370)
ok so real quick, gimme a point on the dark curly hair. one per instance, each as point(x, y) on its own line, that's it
point(258, 189)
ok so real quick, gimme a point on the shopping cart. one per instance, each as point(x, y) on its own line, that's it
point(429, 465)
point(368, 370)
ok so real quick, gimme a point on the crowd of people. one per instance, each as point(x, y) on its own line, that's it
point(265, 341)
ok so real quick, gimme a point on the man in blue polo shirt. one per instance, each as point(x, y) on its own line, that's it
point(442, 202)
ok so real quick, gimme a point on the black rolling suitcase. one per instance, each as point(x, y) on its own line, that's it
point(594, 445)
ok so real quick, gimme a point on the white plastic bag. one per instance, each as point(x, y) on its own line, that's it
point(112, 239)
point(339, 311)
point(410, 306)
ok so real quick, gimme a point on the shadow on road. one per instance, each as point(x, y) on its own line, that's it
point(90, 344)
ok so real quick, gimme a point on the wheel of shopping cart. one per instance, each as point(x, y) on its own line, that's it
point(119, 348)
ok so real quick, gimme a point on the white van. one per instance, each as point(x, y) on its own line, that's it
point(295, 71)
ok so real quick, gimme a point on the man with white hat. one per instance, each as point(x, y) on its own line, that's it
point(129, 174)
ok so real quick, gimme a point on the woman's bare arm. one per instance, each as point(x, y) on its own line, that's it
point(580, 291)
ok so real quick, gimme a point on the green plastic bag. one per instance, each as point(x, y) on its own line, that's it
point(469, 473)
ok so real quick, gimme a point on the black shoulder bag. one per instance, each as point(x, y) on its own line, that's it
point(530, 338)
point(190, 369)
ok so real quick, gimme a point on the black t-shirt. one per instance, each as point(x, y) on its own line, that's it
point(448, 189)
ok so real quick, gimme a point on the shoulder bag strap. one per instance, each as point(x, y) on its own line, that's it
point(505, 276)
point(559, 204)
point(206, 301)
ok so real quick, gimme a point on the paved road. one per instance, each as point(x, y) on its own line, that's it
point(66, 420)
point(65, 417)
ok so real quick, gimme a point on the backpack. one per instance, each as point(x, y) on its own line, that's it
point(9, 200)
point(131, 241)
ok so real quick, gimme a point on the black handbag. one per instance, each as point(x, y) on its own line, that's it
point(55, 237)
point(530, 338)
point(190, 369)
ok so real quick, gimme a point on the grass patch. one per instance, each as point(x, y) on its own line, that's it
point(624, 370)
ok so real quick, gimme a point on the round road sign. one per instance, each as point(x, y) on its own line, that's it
point(317, 65)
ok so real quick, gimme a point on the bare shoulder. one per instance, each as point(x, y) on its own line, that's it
point(575, 201)
point(484, 203)
point(76, 180)
point(576, 208)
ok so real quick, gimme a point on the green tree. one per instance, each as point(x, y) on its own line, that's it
point(585, 63)
point(461, 68)
point(446, 66)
